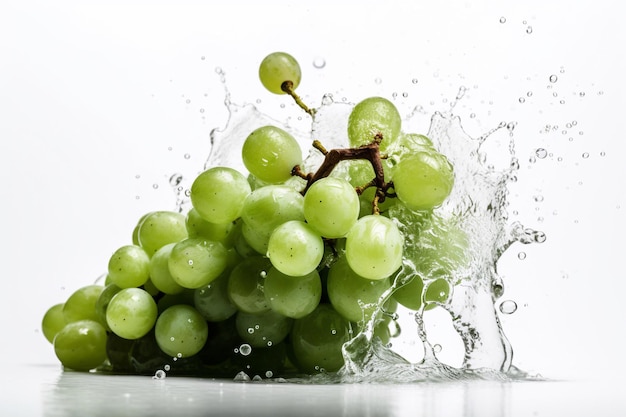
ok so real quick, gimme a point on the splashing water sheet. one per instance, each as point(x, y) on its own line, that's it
point(532, 226)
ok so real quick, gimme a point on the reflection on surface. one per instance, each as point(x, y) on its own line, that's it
point(50, 392)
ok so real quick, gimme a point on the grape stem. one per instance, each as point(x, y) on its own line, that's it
point(287, 87)
point(369, 152)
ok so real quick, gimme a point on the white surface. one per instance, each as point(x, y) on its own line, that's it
point(99, 101)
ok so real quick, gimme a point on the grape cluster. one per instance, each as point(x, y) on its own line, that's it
point(271, 272)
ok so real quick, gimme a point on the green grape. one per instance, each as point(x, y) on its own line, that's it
point(317, 340)
point(371, 116)
point(168, 300)
point(160, 274)
point(81, 345)
point(246, 285)
point(212, 300)
point(194, 262)
point(263, 329)
point(218, 194)
point(293, 297)
point(225, 233)
point(160, 228)
point(135, 237)
point(423, 180)
point(437, 292)
point(103, 303)
point(270, 153)
point(81, 305)
point(354, 297)
point(374, 247)
point(410, 294)
point(331, 207)
point(265, 209)
point(295, 249)
point(278, 67)
point(181, 331)
point(53, 321)
point(129, 266)
point(150, 288)
point(131, 313)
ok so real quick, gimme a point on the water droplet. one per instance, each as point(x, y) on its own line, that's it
point(521, 256)
point(166, 367)
point(242, 377)
point(508, 307)
point(155, 186)
point(245, 349)
point(540, 237)
point(586, 155)
point(187, 156)
point(327, 99)
point(538, 198)
point(529, 30)
point(472, 115)
point(511, 126)
point(529, 94)
point(201, 110)
point(190, 262)
point(437, 348)
point(176, 179)
point(160, 374)
point(541, 153)
point(553, 78)
point(250, 330)
point(405, 94)
point(414, 81)
point(602, 153)
point(522, 100)
point(257, 378)
point(377, 80)
point(503, 19)
point(319, 62)
point(269, 374)
point(581, 94)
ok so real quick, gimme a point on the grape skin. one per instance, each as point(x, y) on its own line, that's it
point(278, 67)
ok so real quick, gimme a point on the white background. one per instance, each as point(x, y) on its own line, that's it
point(101, 102)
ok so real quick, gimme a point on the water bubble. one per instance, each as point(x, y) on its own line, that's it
point(521, 256)
point(201, 110)
point(187, 101)
point(582, 94)
point(472, 115)
point(503, 19)
point(160, 374)
point(602, 153)
point(529, 94)
point(508, 307)
point(405, 94)
point(269, 374)
point(166, 367)
point(250, 330)
point(245, 349)
point(511, 126)
point(553, 78)
point(319, 62)
point(541, 153)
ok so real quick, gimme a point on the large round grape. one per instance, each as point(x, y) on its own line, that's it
point(195, 262)
point(354, 297)
point(131, 313)
point(81, 345)
point(423, 180)
point(331, 206)
point(181, 331)
point(278, 67)
point(81, 305)
point(218, 194)
point(160, 228)
point(317, 340)
point(53, 321)
point(372, 116)
point(293, 297)
point(246, 285)
point(374, 247)
point(295, 248)
point(270, 153)
point(129, 266)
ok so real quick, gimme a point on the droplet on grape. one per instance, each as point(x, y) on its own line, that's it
point(508, 307)
point(245, 349)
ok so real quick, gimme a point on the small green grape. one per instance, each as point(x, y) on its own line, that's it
point(181, 331)
point(160, 228)
point(53, 321)
point(129, 266)
point(331, 207)
point(131, 313)
point(293, 297)
point(278, 67)
point(295, 249)
point(270, 153)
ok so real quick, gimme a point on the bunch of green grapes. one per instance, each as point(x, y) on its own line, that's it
point(272, 277)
